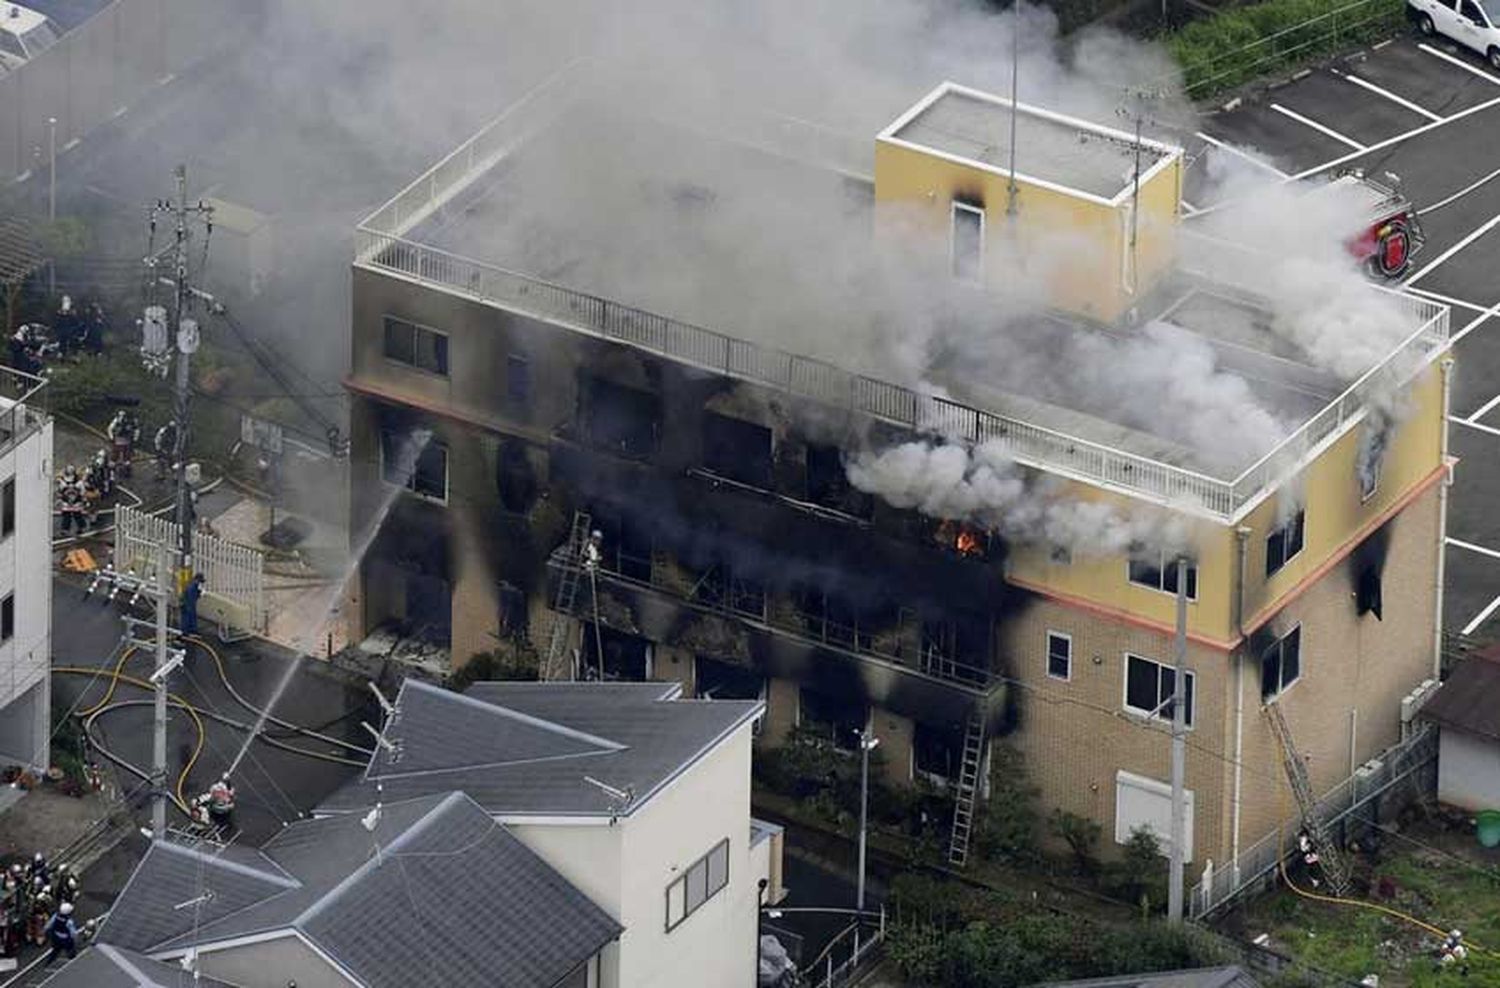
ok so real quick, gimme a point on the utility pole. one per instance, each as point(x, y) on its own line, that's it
point(1179, 751)
point(159, 722)
point(157, 351)
point(867, 743)
point(1011, 192)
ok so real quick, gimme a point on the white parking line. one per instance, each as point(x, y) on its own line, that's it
point(1474, 425)
point(1391, 141)
point(1474, 324)
point(1481, 617)
point(1449, 200)
point(1472, 236)
point(1243, 155)
point(1320, 128)
point(1398, 100)
point(1449, 300)
point(1459, 62)
point(1483, 409)
point(1474, 548)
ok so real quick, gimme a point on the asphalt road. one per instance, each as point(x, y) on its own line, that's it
point(1429, 112)
point(274, 787)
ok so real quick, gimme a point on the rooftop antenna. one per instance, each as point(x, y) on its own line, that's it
point(622, 798)
point(1137, 114)
point(1015, 76)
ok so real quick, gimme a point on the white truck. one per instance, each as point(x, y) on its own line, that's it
point(1472, 23)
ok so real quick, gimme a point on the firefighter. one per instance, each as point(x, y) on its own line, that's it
point(39, 868)
point(42, 903)
point(65, 884)
point(101, 474)
point(593, 551)
point(165, 446)
point(221, 802)
point(190, 595)
point(1453, 952)
point(15, 908)
point(124, 432)
point(68, 325)
point(70, 499)
point(62, 933)
point(1309, 855)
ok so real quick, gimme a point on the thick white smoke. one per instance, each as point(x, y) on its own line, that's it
point(983, 486)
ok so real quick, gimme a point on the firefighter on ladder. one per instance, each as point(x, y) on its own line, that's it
point(1309, 856)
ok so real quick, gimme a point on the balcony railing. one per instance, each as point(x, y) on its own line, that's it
point(23, 406)
point(901, 643)
point(382, 244)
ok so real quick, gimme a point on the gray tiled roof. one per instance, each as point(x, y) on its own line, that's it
point(1231, 976)
point(525, 748)
point(105, 966)
point(398, 905)
point(1470, 698)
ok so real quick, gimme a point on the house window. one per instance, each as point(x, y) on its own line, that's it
point(1281, 664)
point(1059, 655)
point(8, 617)
point(1157, 570)
point(8, 508)
point(518, 383)
point(968, 242)
point(426, 473)
point(1148, 689)
point(417, 346)
point(1284, 543)
point(737, 449)
point(698, 883)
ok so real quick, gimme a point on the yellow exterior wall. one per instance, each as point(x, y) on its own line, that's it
point(1329, 493)
point(1072, 245)
point(1103, 580)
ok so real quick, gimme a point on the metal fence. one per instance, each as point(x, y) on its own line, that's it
point(98, 69)
point(231, 571)
point(1259, 862)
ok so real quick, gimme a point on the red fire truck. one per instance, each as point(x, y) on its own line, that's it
point(1393, 236)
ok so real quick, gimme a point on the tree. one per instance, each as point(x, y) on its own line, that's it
point(1008, 826)
point(1138, 876)
point(1082, 837)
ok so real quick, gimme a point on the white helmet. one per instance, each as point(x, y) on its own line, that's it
point(66, 908)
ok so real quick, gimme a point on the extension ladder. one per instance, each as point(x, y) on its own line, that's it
point(570, 572)
point(1330, 857)
point(967, 792)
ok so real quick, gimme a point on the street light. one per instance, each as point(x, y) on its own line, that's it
point(867, 743)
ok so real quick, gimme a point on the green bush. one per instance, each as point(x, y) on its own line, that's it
point(515, 661)
point(1082, 837)
point(1238, 45)
point(1139, 875)
point(1007, 826)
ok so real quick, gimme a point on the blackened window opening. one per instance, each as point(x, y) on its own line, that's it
point(720, 680)
point(518, 385)
point(937, 750)
point(1284, 543)
point(836, 719)
point(619, 418)
point(1281, 664)
point(736, 449)
point(626, 658)
point(427, 476)
point(626, 544)
point(1158, 570)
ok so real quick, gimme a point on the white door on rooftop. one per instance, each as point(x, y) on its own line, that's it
point(967, 247)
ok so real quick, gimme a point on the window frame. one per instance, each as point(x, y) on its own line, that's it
point(684, 879)
point(1279, 646)
point(410, 485)
point(1160, 586)
point(8, 617)
point(1191, 692)
point(1068, 640)
point(387, 321)
point(8, 507)
point(959, 206)
point(1297, 526)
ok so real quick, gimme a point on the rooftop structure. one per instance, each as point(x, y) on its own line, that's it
point(524, 749)
point(391, 903)
point(106, 966)
point(973, 127)
point(472, 226)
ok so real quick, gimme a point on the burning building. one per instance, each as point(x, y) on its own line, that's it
point(937, 494)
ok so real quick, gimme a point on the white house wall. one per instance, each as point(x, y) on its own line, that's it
point(272, 962)
point(716, 945)
point(1468, 770)
point(588, 855)
point(26, 571)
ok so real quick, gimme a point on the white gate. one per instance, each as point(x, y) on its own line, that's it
point(234, 576)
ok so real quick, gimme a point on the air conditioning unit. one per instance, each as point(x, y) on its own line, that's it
point(1369, 768)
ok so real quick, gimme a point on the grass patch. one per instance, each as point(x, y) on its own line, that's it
point(1350, 941)
point(1246, 43)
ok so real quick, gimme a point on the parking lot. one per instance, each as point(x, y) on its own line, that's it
point(1429, 112)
